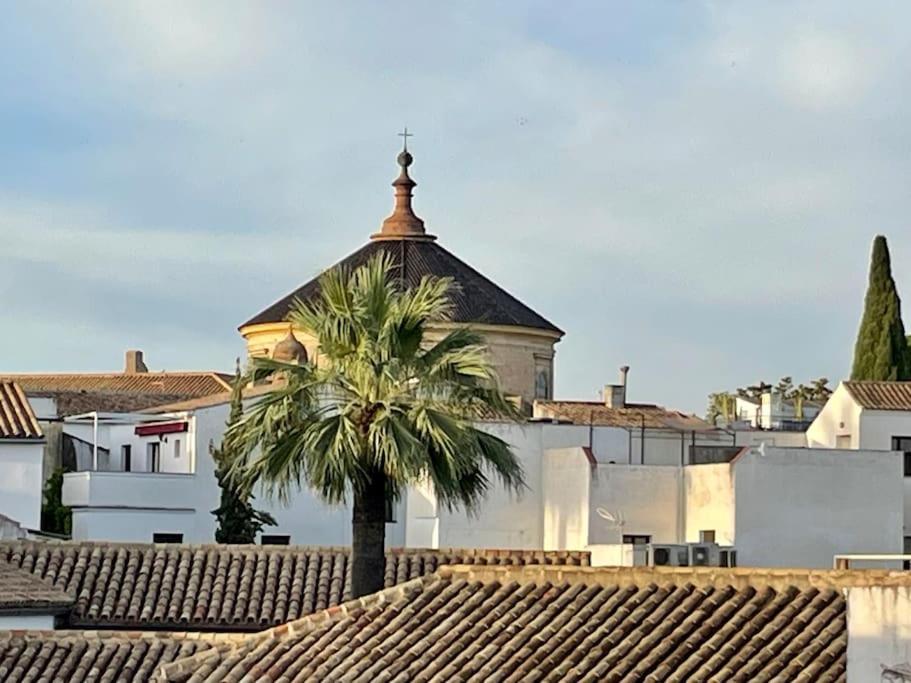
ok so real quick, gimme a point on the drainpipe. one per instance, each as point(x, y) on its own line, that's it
point(95, 441)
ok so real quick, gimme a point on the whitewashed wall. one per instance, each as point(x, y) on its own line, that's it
point(839, 417)
point(800, 507)
point(566, 485)
point(710, 505)
point(879, 630)
point(20, 481)
point(639, 499)
point(134, 525)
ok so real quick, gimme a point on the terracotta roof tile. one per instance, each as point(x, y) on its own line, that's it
point(186, 384)
point(22, 590)
point(17, 419)
point(120, 392)
point(634, 415)
point(555, 625)
point(80, 657)
point(210, 587)
point(881, 395)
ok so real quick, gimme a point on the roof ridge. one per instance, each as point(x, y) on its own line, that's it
point(304, 624)
point(738, 577)
point(400, 550)
point(126, 634)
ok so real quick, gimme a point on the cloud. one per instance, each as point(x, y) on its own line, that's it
point(691, 192)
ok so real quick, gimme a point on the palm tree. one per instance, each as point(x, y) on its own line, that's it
point(380, 409)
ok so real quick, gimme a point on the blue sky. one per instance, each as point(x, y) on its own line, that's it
point(688, 188)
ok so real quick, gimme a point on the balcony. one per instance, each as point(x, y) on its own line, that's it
point(145, 490)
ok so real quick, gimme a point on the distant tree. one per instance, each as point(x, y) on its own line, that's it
point(56, 518)
point(785, 387)
point(754, 390)
point(238, 521)
point(819, 389)
point(721, 407)
point(881, 351)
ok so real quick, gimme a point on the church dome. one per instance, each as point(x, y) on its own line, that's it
point(290, 350)
point(475, 299)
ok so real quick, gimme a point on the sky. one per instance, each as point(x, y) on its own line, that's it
point(688, 188)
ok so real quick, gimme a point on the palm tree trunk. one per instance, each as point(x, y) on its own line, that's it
point(368, 535)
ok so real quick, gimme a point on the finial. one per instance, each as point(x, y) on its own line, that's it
point(403, 223)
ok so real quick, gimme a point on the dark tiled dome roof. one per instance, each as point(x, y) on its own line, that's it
point(477, 299)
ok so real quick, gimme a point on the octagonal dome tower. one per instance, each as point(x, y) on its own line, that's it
point(521, 341)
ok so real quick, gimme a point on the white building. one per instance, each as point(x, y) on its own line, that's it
point(587, 489)
point(773, 411)
point(779, 507)
point(21, 455)
point(869, 415)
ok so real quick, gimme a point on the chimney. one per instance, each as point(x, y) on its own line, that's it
point(134, 364)
point(615, 394)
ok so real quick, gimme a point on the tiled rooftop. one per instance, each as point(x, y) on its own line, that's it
point(881, 395)
point(170, 383)
point(553, 624)
point(80, 657)
point(211, 587)
point(22, 590)
point(476, 299)
point(17, 419)
point(634, 415)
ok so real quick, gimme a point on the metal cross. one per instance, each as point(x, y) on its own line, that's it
point(405, 134)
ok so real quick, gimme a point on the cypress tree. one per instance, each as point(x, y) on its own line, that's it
point(238, 521)
point(881, 351)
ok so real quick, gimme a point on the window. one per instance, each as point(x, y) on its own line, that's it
point(636, 539)
point(275, 539)
point(153, 454)
point(903, 443)
point(390, 511)
point(542, 384)
point(126, 457)
point(907, 550)
point(707, 536)
point(167, 537)
point(176, 448)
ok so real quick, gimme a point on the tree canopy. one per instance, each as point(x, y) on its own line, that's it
point(881, 351)
point(379, 408)
point(238, 521)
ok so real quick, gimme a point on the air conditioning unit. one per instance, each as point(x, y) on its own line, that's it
point(667, 555)
point(727, 557)
point(703, 555)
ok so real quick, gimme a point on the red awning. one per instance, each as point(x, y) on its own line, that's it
point(161, 428)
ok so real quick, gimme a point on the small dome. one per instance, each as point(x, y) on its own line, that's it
point(290, 350)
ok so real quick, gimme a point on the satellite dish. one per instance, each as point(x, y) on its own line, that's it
point(615, 519)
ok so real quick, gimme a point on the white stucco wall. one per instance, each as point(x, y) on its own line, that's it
point(710, 503)
point(20, 481)
point(771, 437)
point(639, 499)
point(134, 525)
point(879, 630)
point(877, 427)
point(26, 622)
point(566, 482)
point(839, 417)
point(800, 507)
